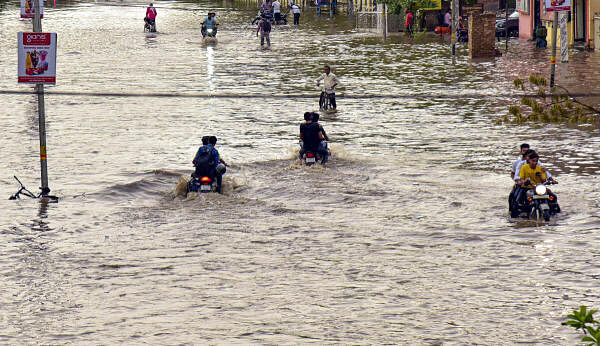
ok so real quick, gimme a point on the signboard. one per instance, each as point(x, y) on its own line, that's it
point(564, 39)
point(37, 57)
point(523, 6)
point(557, 5)
point(28, 8)
point(433, 5)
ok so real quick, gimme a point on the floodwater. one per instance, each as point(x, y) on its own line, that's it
point(403, 238)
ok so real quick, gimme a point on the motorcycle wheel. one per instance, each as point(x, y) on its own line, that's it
point(546, 215)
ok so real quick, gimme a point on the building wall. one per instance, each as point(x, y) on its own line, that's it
point(525, 25)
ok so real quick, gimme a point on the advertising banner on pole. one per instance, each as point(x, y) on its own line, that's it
point(564, 39)
point(28, 9)
point(557, 5)
point(37, 57)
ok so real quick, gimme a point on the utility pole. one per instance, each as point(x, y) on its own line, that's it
point(506, 24)
point(553, 57)
point(37, 27)
point(384, 17)
point(454, 5)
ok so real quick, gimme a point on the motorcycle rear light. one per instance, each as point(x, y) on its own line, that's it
point(205, 180)
point(310, 155)
point(530, 199)
point(551, 198)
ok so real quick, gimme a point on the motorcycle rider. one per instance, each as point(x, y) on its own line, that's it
point(209, 23)
point(219, 167)
point(150, 18)
point(519, 163)
point(311, 137)
point(330, 81)
point(530, 175)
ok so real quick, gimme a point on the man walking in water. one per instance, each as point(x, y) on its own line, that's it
point(296, 11)
point(150, 15)
point(330, 81)
point(264, 27)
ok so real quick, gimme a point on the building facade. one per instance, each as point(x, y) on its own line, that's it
point(580, 27)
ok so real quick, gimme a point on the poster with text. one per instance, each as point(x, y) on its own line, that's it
point(37, 57)
point(28, 8)
point(557, 5)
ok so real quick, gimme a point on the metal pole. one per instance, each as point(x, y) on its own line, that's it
point(37, 27)
point(553, 57)
point(453, 41)
point(384, 14)
point(506, 24)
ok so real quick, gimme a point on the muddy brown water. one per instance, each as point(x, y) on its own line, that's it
point(403, 239)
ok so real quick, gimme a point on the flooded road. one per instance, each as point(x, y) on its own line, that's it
point(403, 239)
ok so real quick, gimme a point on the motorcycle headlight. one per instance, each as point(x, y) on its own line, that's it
point(209, 30)
point(540, 189)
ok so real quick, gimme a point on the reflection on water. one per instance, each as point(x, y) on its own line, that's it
point(408, 219)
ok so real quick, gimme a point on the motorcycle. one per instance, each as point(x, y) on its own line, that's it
point(311, 157)
point(209, 33)
point(149, 26)
point(203, 184)
point(537, 203)
point(325, 101)
point(270, 17)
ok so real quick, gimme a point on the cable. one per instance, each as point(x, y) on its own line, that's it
point(289, 96)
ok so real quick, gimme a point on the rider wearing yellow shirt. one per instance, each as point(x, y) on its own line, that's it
point(532, 172)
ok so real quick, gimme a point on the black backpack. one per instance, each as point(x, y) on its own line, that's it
point(204, 163)
point(266, 26)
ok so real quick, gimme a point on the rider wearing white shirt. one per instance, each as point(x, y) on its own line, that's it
point(330, 81)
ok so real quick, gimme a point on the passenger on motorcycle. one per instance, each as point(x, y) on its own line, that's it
point(530, 175)
point(220, 164)
point(330, 81)
point(311, 137)
point(519, 160)
point(208, 162)
point(209, 23)
point(150, 15)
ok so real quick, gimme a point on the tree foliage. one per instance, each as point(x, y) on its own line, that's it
point(584, 320)
point(400, 6)
point(556, 107)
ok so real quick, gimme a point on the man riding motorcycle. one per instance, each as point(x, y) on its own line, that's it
point(150, 18)
point(330, 81)
point(311, 138)
point(209, 23)
point(207, 162)
point(530, 175)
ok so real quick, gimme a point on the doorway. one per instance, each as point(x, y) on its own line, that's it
point(579, 22)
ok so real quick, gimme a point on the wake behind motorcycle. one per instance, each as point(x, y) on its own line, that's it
point(536, 203)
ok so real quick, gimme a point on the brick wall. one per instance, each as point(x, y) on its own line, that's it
point(482, 35)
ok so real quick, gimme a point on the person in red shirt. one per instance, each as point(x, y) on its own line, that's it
point(409, 22)
point(150, 15)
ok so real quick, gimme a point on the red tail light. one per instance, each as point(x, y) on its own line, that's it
point(205, 180)
point(551, 198)
point(310, 155)
point(530, 199)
